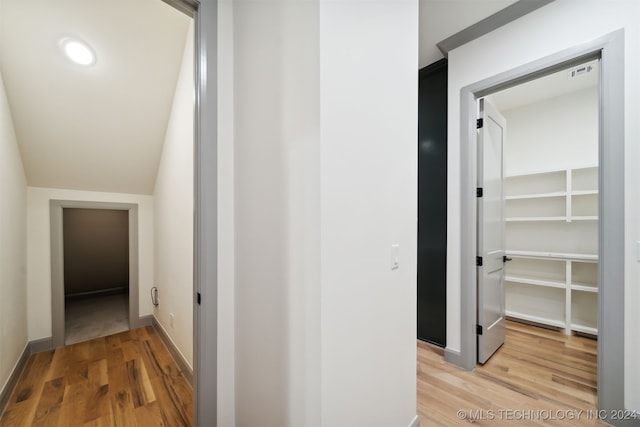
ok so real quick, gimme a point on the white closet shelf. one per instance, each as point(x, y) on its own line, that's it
point(584, 288)
point(551, 218)
point(535, 319)
point(583, 192)
point(554, 255)
point(537, 196)
point(584, 329)
point(545, 209)
point(584, 218)
point(536, 282)
point(535, 218)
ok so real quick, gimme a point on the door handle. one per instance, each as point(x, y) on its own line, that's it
point(506, 258)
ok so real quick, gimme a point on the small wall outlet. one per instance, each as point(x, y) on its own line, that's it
point(171, 319)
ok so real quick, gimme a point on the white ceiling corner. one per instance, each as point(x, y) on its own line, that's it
point(98, 128)
point(440, 19)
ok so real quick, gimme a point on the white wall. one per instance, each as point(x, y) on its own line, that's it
point(13, 249)
point(39, 250)
point(325, 181)
point(276, 213)
point(557, 133)
point(557, 26)
point(368, 93)
point(173, 214)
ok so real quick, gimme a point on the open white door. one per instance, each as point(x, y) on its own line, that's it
point(491, 229)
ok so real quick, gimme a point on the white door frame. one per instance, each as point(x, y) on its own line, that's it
point(57, 262)
point(610, 50)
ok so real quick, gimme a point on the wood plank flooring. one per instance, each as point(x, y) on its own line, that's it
point(127, 379)
point(538, 377)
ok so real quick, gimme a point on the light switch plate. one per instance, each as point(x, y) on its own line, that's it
point(395, 256)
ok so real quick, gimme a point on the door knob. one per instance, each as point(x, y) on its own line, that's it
point(505, 258)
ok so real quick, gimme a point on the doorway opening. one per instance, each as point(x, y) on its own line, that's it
point(102, 218)
point(538, 230)
point(610, 239)
point(96, 273)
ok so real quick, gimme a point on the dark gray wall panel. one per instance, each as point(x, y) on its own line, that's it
point(432, 203)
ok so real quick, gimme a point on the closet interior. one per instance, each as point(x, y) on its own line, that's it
point(551, 200)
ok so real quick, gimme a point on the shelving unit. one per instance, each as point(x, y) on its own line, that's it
point(565, 195)
point(552, 222)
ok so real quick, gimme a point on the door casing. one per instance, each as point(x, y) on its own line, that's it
point(205, 225)
point(57, 262)
point(610, 50)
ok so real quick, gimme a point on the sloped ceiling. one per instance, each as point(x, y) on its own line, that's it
point(102, 128)
point(96, 128)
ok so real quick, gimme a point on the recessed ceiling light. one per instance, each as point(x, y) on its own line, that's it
point(78, 51)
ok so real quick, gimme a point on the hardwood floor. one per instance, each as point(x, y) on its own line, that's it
point(127, 379)
point(538, 377)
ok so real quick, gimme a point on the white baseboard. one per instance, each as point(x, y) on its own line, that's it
point(184, 366)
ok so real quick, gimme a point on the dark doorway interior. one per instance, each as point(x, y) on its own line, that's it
point(96, 272)
point(432, 204)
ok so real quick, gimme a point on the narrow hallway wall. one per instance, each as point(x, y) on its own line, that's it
point(13, 252)
point(173, 210)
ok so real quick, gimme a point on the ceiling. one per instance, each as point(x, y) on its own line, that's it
point(96, 128)
point(101, 128)
point(440, 19)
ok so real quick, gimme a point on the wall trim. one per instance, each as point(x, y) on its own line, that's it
point(452, 356)
point(40, 345)
point(490, 23)
point(57, 264)
point(145, 320)
point(610, 49)
point(205, 249)
point(415, 422)
point(99, 292)
point(12, 381)
point(188, 7)
point(187, 371)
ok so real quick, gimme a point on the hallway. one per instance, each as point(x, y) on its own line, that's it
point(126, 379)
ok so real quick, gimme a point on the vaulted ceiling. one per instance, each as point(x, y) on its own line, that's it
point(101, 127)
